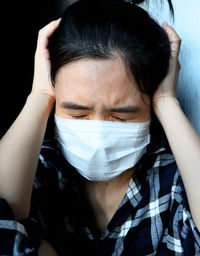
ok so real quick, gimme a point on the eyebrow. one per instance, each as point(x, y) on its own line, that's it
point(127, 109)
point(74, 106)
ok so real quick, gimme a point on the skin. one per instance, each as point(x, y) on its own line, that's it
point(93, 84)
point(101, 94)
point(17, 171)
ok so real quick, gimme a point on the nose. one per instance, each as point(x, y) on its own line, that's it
point(101, 116)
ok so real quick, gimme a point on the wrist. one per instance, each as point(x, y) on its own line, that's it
point(164, 105)
point(42, 101)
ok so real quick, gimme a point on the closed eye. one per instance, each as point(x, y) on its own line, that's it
point(82, 116)
point(79, 117)
point(120, 119)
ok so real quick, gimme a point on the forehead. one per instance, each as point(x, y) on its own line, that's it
point(92, 69)
point(97, 79)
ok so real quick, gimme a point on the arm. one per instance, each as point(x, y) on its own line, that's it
point(46, 249)
point(20, 146)
point(183, 139)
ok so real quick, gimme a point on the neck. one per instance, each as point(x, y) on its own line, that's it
point(104, 198)
point(100, 190)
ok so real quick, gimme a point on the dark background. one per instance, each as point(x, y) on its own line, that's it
point(20, 23)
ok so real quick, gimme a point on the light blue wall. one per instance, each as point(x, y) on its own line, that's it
point(187, 25)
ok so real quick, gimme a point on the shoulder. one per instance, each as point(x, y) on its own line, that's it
point(53, 169)
point(160, 163)
point(163, 175)
point(50, 155)
point(180, 220)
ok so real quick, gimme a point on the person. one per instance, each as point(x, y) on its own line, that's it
point(107, 184)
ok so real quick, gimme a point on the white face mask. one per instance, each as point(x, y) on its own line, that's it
point(102, 150)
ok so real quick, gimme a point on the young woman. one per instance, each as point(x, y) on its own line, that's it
point(107, 184)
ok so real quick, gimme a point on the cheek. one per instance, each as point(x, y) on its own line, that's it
point(144, 115)
point(147, 114)
point(58, 109)
point(146, 102)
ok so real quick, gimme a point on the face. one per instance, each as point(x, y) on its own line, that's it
point(99, 90)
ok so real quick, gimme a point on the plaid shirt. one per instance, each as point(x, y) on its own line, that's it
point(152, 219)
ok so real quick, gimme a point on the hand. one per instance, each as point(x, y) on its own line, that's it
point(168, 87)
point(42, 70)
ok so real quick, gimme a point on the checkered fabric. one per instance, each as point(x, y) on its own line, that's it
point(153, 218)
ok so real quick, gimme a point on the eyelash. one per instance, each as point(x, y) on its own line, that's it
point(79, 117)
point(120, 119)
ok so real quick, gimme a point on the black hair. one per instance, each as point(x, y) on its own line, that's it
point(106, 29)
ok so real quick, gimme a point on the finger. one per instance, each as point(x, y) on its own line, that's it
point(174, 39)
point(45, 33)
